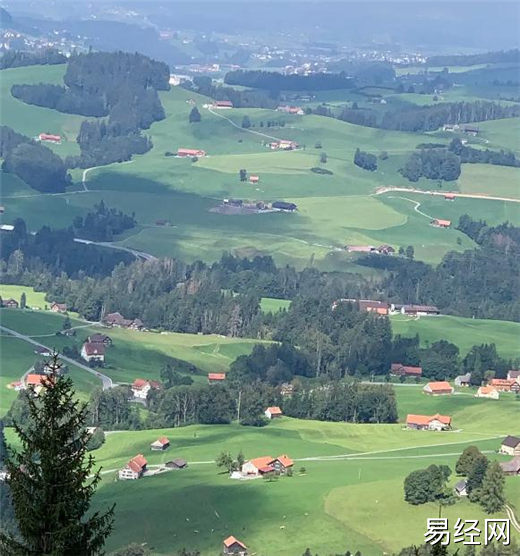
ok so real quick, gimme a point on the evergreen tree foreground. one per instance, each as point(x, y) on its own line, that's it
point(51, 477)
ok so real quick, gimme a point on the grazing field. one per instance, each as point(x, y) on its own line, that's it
point(464, 332)
point(488, 179)
point(33, 299)
point(352, 472)
point(333, 210)
point(273, 305)
point(501, 133)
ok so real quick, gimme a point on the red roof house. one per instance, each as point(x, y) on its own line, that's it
point(439, 223)
point(405, 370)
point(216, 377)
point(273, 412)
point(59, 307)
point(49, 137)
point(254, 179)
point(428, 422)
point(441, 388)
point(233, 546)
point(160, 444)
point(449, 196)
point(222, 104)
point(191, 152)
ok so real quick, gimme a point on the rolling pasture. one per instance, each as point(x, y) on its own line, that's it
point(352, 481)
point(334, 210)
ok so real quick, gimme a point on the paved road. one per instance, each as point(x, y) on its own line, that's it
point(134, 252)
point(106, 380)
point(386, 189)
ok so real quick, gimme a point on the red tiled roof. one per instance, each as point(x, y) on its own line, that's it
point(139, 383)
point(285, 460)
point(49, 137)
point(412, 419)
point(501, 382)
point(34, 379)
point(275, 410)
point(134, 466)
point(231, 540)
point(441, 222)
point(486, 389)
point(266, 469)
point(216, 376)
point(163, 440)
point(439, 386)
point(224, 103)
point(140, 459)
point(190, 152)
point(262, 461)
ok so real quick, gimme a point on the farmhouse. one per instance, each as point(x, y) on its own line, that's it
point(360, 248)
point(257, 466)
point(370, 306)
point(438, 223)
point(184, 153)
point(117, 320)
point(134, 469)
point(100, 339)
point(470, 130)
point(43, 351)
point(222, 104)
point(298, 110)
point(283, 145)
point(511, 467)
point(10, 303)
point(233, 547)
point(487, 392)
point(419, 310)
point(284, 206)
point(441, 388)
point(160, 444)
point(254, 179)
point(49, 137)
point(397, 369)
point(463, 380)
point(426, 422)
point(449, 197)
point(216, 377)
point(282, 464)
point(34, 380)
point(513, 375)
point(177, 463)
point(502, 384)
point(273, 412)
point(93, 352)
point(510, 446)
point(59, 307)
point(385, 250)
point(461, 488)
point(141, 387)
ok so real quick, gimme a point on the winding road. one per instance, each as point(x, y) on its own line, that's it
point(106, 380)
point(389, 188)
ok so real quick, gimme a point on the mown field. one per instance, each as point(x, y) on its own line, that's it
point(334, 210)
point(352, 482)
point(464, 332)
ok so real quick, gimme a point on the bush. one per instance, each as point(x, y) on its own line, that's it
point(96, 440)
point(322, 171)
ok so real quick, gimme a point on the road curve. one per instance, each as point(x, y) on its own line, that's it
point(387, 189)
point(106, 380)
point(134, 252)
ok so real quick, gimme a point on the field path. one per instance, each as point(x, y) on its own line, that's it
point(416, 206)
point(106, 380)
point(137, 254)
point(512, 517)
point(389, 188)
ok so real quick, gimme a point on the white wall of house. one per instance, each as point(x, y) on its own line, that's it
point(249, 469)
point(128, 474)
point(141, 393)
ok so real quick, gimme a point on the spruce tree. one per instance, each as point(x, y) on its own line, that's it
point(51, 478)
point(492, 492)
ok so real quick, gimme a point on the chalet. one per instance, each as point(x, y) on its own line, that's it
point(141, 387)
point(510, 446)
point(487, 392)
point(370, 306)
point(470, 130)
point(428, 422)
point(234, 547)
point(35, 382)
point(397, 369)
point(190, 153)
point(502, 384)
point(273, 412)
point(59, 307)
point(160, 444)
point(257, 466)
point(284, 206)
point(439, 223)
point(93, 352)
point(421, 310)
point(513, 375)
point(511, 467)
point(49, 137)
point(100, 339)
point(449, 197)
point(222, 104)
point(461, 488)
point(282, 464)
point(10, 303)
point(385, 250)
point(254, 179)
point(216, 377)
point(463, 380)
point(116, 319)
point(441, 388)
point(176, 463)
point(134, 469)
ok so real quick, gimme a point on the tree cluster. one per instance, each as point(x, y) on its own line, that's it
point(103, 223)
point(367, 161)
point(470, 155)
point(433, 164)
point(274, 81)
point(19, 58)
point(427, 485)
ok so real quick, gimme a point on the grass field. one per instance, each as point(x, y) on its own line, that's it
point(33, 299)
point(339, 503)
point(463, 332)
point(273, 305)
point(334, 210)
point(500, 181)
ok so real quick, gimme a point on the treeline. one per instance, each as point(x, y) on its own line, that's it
point(38, 258)
point(275, 81)
point(19, 58)
point(432, 163)
point(32, 162)
point(103, 223)
point(429, 118)
point(365, 160)
point(502, 56)
point(240, 99)
point(470, 155)
point(119, 85)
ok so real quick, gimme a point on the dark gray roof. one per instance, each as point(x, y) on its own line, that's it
point(511, 441)
point(512, 466)
point(460, 486)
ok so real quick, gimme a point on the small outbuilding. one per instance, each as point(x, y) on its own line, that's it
point(273, 412)
point(177, 463)
point(461, 488)
point(441, 388)
point(234, 547)
point(160, 444)
point(510, 446)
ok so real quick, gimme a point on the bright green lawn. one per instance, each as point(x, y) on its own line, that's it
point(273, 305)
point(464, 332)
point(487, 179)
point(33, 298)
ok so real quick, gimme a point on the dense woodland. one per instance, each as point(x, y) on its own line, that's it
point(275, 81)
point(32, 162)
point(484, 156)
point(432, 163)
point(19, 58)
point(103, 223)
point(499, 57)
point(118, 85)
